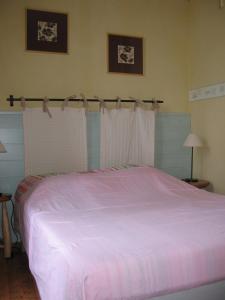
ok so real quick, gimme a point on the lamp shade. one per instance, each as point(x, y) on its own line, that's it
point(2, 148)
point(193, 140)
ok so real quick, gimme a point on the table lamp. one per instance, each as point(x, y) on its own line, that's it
point(192, 141)
point(2, 148)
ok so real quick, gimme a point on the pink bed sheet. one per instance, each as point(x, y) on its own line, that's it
point(126, 234)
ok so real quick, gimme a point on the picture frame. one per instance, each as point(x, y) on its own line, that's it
point(125, 54)
point(46, 31)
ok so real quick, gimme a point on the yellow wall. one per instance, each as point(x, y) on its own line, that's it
point(172, 62)
point(162, 24)
point(207, 66)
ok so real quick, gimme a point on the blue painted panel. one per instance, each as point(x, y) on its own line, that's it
point(12, 162)
point(11, 135)
point(14, 152)
point(171, 132)
point(9, 184)
point(10, 120)
point(11, 168)
point(93, 140)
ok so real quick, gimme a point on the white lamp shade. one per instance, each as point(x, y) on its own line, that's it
point(193, 141)
point(2, 148)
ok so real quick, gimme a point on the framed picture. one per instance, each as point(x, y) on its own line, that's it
point(46, 31)
point(125, 54)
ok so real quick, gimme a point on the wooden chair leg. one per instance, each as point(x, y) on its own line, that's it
point(6, 232)
point(22, 248)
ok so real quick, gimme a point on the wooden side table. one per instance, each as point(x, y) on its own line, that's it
point(7, 243)
point(201, 184)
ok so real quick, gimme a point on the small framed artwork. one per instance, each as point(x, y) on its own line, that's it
point(46, 31)
point(125, 54)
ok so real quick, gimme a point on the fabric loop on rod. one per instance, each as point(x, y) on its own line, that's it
point(102, 105)
point(66, 101)
point(118, 103)
point(45, 106)
point(23, 103)
point(137, 102)
point(155, 105)
point(85, 102)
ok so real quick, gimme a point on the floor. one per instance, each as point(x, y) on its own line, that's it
point(16, 281)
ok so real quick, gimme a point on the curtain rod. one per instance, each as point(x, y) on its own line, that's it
point(12, 99)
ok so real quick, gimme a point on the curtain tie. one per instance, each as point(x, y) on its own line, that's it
point(155, 105)
point(45, 106)
point(118, 103)
point(102, 105)
point(23, 103)
point(85, 103)
point(137, 102)
point(66, 101)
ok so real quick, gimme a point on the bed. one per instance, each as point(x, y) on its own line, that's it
point(133, 233)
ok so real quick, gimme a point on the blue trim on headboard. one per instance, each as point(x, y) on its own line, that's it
point(170, 154)
point(93, 140)
point(12, 162)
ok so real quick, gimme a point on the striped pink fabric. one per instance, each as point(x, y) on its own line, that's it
point(29, 182)
point(26, 184)
point(127, 234)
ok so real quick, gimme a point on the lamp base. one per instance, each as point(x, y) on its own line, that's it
point(190, 180)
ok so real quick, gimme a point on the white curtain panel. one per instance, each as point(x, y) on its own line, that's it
point(127, 137)
point(142, 146)
point(56, 144)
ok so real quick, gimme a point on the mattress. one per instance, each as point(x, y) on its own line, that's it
point(127, 234)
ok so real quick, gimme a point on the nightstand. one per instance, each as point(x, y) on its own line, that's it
point(7, 243)
point(201, 184)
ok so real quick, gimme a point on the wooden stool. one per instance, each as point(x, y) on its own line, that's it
point(201, 184)
point(7, 243)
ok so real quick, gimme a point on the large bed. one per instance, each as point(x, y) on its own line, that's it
point(133, 233)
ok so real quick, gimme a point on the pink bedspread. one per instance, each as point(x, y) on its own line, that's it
point(127, 234)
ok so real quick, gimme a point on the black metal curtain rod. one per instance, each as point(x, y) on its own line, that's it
point(12, 99)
